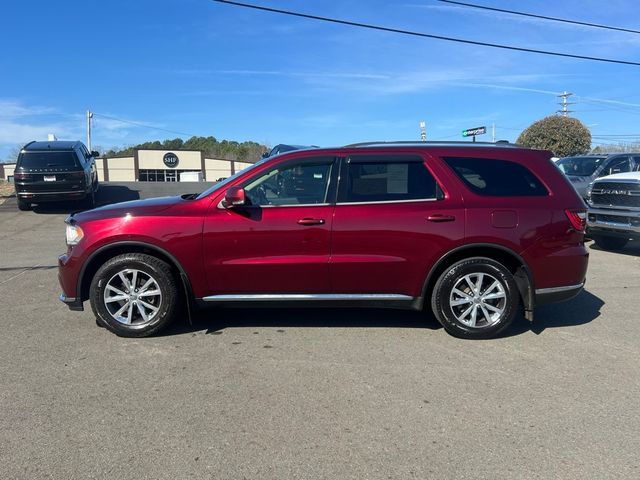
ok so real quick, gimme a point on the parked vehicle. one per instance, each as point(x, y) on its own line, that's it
point(54, 171)
point(584, 169)
point(282, 148)
point(614, 210)
point(474, 233)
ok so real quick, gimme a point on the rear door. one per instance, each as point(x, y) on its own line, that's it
point(392, 222)
point(49, 171)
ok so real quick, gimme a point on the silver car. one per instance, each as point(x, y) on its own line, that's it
point(584, 169)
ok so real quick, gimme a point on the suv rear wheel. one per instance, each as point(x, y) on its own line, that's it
point(475, 298)
point(134, 295)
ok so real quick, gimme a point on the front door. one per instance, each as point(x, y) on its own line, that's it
point(278, 242)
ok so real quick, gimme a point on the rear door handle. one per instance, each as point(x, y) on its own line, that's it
point(311, 221)
point(439, 217)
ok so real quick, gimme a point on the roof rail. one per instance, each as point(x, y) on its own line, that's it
point(501, 143)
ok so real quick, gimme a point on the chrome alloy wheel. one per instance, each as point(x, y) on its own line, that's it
point(133, 297)
point(478, 300)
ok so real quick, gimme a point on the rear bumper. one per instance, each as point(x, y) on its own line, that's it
point(35, 196)
point(557, 294)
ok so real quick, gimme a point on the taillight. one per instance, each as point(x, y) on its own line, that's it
point(21, 176)
point(578, 218)
point(75, 175)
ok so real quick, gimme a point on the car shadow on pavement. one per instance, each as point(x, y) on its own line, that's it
point(578, 311)
point(106, 195)
point(632, 249)
point(214, 320)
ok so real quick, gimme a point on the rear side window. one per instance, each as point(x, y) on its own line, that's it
point(496, 178)
point(47, 159)
point(387, 178)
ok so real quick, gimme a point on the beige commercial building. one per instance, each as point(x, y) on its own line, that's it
point(158, 166)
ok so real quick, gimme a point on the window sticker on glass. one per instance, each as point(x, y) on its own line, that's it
point(397, 177)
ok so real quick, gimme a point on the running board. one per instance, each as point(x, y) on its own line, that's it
point(330, 297)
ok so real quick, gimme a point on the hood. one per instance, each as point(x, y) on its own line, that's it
point(136, 208)
point(621, 176)
point(578, 179)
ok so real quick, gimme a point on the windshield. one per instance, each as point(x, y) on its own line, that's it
point(228, 180)
point(580, 166)
point(47, 159)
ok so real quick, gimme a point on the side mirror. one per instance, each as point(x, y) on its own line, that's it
point(234, 197)
point(95, 154)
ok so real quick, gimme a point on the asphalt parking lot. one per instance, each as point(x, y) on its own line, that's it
point(295, 393)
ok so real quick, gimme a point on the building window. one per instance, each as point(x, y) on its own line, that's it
point(151, 175)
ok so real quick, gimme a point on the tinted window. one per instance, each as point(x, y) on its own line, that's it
point(580, 166)
point(301, 184)
point(47, 159)
point(497, 178)
point(617, 165)
point(376, 179)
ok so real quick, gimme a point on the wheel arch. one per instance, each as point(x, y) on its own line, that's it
point(104, 253)
point(507, 257)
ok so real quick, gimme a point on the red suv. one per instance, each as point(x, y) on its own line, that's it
point(471, 232)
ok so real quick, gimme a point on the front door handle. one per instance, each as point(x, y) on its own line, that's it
point(311, 221)
point(439, 217)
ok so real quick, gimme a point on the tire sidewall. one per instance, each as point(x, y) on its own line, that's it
point(442, 290)
point(145, 263)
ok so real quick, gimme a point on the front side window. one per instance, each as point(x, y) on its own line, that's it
point(498, 178)
point(388, 178)
point(617, 165)
point(580, 166)
point(293, 184)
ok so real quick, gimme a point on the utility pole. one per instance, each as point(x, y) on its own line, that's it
point(423, 131)
point(493, 133)
point(564, 96)
point(89, 117)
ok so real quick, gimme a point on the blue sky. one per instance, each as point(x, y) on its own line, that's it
point(204, 68)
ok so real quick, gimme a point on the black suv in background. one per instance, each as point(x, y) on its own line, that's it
point(54, 171)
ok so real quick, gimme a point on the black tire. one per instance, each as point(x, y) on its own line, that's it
point(610, 243)
point(144, 267)
point(456, 312)
point(23, 206)
point(90, 200)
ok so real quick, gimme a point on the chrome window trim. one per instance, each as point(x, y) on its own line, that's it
point(373, 202)
point(306, 297)
point(222, 207)
point(566, 288)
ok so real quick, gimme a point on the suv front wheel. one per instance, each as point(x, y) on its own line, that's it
point(134, 295)
point(475, 298)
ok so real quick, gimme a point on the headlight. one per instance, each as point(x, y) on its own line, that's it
point(589, 189)
point(74, 234)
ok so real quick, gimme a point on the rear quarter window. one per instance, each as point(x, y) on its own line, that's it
point(497, 178)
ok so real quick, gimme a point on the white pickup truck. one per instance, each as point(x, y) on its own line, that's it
point(614, 210)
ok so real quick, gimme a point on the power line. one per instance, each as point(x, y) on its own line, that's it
point(543, 17)
point(423, 35)
point(143, 125)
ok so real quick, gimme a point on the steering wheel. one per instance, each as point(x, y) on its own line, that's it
point(258, 196)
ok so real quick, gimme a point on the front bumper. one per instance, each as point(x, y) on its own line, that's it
point(68, 277)
point(614, 222)
point(72, 302)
